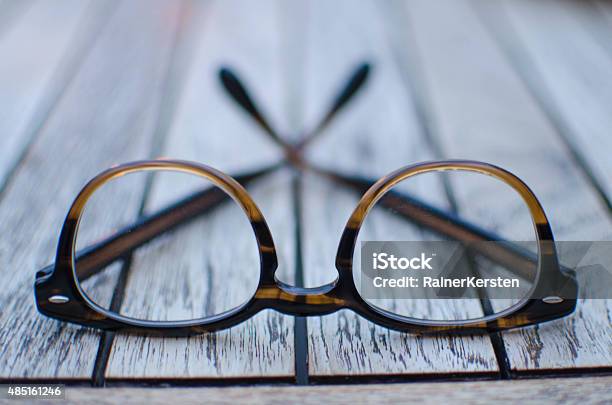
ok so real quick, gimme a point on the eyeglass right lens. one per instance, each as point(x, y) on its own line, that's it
point(447, 246)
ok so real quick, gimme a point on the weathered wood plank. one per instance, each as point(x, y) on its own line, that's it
point(33, 50)
point(208, 128)
point(570, 69)
point(586, 390)
point(10, 13)
point(106, 115)
point(482, 110)
point(379, 132)
point(605, 9)
point(259, 348)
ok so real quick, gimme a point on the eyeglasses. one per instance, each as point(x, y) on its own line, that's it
point(552, 290)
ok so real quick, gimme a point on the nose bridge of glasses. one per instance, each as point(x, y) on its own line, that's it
point(301, 301)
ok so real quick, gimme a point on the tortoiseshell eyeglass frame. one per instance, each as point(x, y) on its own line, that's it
point(59, 294)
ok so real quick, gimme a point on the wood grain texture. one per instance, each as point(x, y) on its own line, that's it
point(34, 47)
point(208, 128)
point(259, 348)
point(599, 14)
point(86, 133)
point(84, 85)
point(592, 390)
point(469, 86)
point(567, 65)
point(10, 13)
point(379, 132)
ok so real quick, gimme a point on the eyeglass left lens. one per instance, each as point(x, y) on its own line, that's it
point(199, 258)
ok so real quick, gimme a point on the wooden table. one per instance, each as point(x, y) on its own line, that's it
point(86, 84)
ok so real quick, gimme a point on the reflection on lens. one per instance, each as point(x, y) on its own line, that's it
point(447, 246)
point(184, 249)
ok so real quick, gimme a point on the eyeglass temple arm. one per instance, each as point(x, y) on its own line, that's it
point(354, 83)
point(96, 257)
point(442, 222)
point(234, 87)
point(237, 90)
